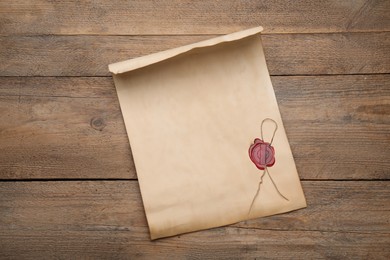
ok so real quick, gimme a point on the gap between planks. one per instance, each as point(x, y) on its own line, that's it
point(184, 35)
point(135, 179)
point(276, 75)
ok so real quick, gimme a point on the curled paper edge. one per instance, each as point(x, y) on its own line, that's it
point(136, 63)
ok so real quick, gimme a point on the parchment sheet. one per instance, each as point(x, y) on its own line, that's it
point(191, 114)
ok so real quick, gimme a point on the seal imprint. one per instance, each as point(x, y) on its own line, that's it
point(262, 154)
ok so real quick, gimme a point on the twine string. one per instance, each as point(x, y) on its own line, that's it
point(261, 129)
point(266, 168)
point(257, 192)
point(281, 195)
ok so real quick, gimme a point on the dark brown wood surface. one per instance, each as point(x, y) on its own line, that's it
point(191, 17)
point(50, 123)
point(287, 54)
point(68, 185)
point(105, 219)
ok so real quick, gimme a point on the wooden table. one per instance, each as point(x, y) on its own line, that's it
point(68, 185)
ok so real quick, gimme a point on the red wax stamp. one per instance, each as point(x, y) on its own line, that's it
point(262, 154)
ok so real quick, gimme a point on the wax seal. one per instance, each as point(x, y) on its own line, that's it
point(262, 154)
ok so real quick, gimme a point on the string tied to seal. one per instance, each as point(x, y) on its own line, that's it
point(262, 154)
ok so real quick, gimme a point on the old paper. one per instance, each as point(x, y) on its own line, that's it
point(191, 114)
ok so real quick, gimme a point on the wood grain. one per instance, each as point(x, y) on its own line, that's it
point(338, 126)
point(62, 128)
point(79, 219)
point(66, 127)
point(286, 54)
point(191, 17)
point(59, 128)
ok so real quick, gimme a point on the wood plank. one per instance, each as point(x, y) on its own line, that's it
point(338, 126)
point(356, 53)
point(229, 243)
point(72, 131)
point(189, 17)
point(106, 219)
point(286, 54)
point(50, 127)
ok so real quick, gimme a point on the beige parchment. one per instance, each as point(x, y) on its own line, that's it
point(191, 114)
